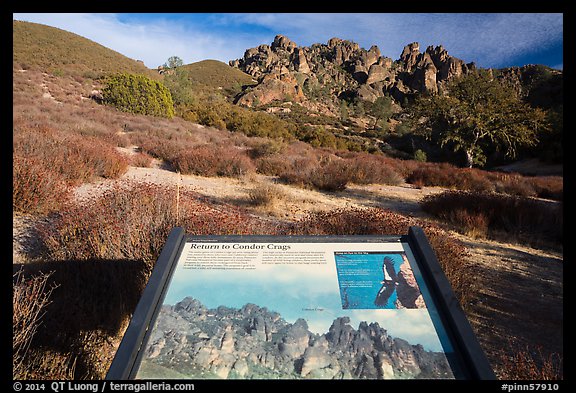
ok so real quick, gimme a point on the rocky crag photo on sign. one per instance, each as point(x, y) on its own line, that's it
point(377, 280)
point(279, 311)
point(191, 341)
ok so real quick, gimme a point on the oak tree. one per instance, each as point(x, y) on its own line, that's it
point(479, 113)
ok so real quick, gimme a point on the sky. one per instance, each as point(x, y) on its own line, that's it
point(494, 40)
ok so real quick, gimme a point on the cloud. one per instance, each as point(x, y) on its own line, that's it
point(490, 40)
point(150, 40)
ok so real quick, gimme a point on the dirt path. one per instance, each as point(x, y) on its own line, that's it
point(293, 203)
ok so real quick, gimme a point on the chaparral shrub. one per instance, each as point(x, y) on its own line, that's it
point(524, 219)
point(138, 94)
point(36, 189)
point(29, 300)
point(132, 221)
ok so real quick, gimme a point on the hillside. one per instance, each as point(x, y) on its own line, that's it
point(214, 74)
point(58, 52)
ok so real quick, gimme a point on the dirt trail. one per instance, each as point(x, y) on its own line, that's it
point(294, 202)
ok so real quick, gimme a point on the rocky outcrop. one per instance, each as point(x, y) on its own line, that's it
point(426, 72)
point(278, 86)
point(409, 56)
point(253, 342)
point(539, 85)
point(342, 66)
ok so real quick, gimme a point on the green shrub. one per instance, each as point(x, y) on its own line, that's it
point(138, 94)
point(420, 155)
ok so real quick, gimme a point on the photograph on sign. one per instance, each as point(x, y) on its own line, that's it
point(375, 280)
point(296, 310)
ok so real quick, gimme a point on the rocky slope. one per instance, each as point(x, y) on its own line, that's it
point(341, 68)
point(254, 342)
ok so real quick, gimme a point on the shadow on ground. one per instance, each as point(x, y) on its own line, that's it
point(90, 307)
point(519, 302)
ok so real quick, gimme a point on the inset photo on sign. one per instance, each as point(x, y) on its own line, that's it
point(374, 280)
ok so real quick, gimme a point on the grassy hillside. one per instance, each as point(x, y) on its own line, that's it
point(58, 52)
point(215, 74)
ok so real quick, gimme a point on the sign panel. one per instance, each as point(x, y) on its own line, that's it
point(260, 307)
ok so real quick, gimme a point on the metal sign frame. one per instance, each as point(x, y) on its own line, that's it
point(468, 353)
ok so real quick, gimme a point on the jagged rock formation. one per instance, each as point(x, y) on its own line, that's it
point(341, 68)
point(253, 342)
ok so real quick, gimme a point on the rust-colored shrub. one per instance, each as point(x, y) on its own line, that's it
point(141, 160)
point(210, 160)
point(77, 158)
point(29, 300)
point(372, 169)
point(472, 179)
point(525, 219)
point(132, 222)
point(549, 187)
point(274, 165)
point(331, 175)
point(102, 158)
point(37, 189)
point(530, 364)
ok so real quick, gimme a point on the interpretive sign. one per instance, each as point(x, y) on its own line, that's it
point(299, 307)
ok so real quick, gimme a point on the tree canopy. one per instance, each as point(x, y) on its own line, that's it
point(478, 114)
point(174, 62)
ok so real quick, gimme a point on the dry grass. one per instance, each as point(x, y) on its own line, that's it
point(506, 217)
point(40, 47)
point(29, 300)
point(531, 365)
point(265, 195)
